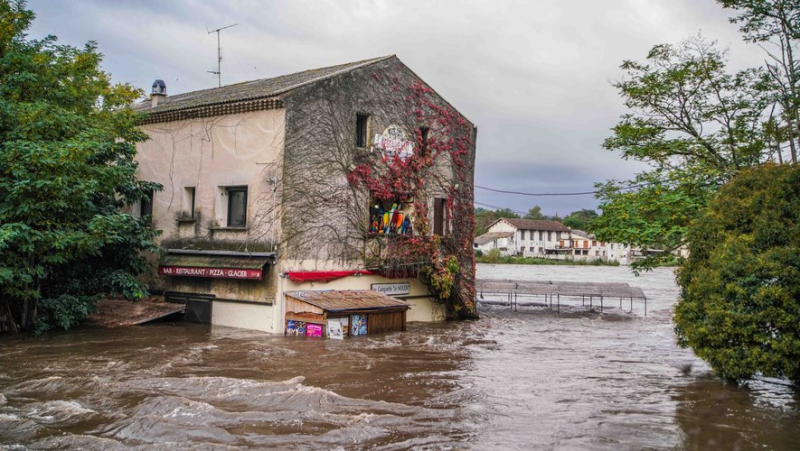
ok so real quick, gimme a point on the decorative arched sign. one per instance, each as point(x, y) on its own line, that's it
point(393, 143)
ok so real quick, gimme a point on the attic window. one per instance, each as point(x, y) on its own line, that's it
point(362, 123)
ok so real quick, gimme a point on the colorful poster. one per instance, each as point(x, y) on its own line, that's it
point(358, 325)
point(335, 329)
point(295, 328)
point(313, 330)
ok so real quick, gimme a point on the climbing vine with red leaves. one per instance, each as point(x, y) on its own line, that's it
point(442, 162)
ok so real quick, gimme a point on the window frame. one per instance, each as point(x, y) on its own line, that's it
point(146, 204)
point(191, 193)
point(229, 190)
point(424, 132)
point(362, 130)
point(439, 216)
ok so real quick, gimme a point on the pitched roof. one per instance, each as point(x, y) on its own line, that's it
point(348, 300)
point(582, 234)
point(537, 224)
point(491, 236)
point(250, 90)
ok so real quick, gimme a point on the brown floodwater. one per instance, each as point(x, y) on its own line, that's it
point(531, 379)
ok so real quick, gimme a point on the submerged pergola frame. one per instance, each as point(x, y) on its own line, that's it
point(515, 289)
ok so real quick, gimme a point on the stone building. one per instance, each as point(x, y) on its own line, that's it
point(349, 177)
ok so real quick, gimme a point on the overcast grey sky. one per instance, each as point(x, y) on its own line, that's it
point(534, 76)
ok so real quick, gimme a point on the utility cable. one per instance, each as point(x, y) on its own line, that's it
point(555, 194)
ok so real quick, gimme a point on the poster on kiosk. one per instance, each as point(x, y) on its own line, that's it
point(335, 331)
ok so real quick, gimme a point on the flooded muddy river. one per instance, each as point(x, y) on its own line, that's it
point(531, 379)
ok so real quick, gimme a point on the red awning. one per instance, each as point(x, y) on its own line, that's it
point(324, 276)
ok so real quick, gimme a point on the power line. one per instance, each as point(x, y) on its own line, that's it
point(554, 194)
point(500, 208)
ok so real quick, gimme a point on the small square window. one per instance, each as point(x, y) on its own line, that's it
point(362, 128)
point(237, 206)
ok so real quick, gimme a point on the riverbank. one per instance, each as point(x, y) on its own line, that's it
point(509, 260)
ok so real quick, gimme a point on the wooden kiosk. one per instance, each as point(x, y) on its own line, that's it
point(358, 312)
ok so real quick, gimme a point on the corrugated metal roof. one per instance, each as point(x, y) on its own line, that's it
point(347, 300)
point(249, 90)
point(202, 261)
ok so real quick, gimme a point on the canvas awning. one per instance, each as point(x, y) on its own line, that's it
point(215, 264)
point(342, 301)
point(324, 276)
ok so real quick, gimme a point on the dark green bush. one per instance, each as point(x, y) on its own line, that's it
point(740, 287)
point(63, 312)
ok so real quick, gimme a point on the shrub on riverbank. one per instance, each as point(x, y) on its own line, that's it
point(740, 287)
point(491, 258)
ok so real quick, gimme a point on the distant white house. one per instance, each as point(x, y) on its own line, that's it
point(548, 239)
point(493, 240)
point(526, 237)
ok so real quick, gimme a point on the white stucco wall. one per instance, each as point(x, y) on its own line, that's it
point(246, 316)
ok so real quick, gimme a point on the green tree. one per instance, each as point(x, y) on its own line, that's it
point(67, 152)
point(506, 213)
point(696, 125)
point(580, 219)
point(775, 26)
point(535, 213)
point(483, 219)
point(740, 287)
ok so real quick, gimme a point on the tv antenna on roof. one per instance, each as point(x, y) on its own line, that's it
point(218, 72)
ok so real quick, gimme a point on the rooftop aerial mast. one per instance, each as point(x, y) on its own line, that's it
point(218, 72)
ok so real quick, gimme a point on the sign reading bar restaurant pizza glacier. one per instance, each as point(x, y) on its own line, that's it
point(219, 273)
point(393, 143)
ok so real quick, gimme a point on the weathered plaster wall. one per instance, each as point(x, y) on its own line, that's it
point(210, 154)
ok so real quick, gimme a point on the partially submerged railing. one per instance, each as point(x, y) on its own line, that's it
point(516, 289)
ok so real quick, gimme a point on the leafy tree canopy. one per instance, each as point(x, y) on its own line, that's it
point(581, 219)
point(696, 125)
point(740, 287)
point(775, 26)
point(506, 213)
point(67, 152)
point(535, 213)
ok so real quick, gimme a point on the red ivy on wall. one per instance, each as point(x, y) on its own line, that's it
point(445, 264)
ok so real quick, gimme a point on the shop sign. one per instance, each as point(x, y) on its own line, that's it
point(391, 289)
point(219, 273)
point(393, 143)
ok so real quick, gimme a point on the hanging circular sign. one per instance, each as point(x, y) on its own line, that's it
point(393, 143)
